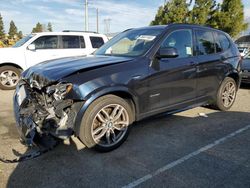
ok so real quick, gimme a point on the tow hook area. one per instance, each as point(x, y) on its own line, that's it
point(41, 145)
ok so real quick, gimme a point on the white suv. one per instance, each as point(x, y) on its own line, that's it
point(39, 47)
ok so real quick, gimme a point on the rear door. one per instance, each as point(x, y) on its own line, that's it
point(210, 62)
point(173, 80)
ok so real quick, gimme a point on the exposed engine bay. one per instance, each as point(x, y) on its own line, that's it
point(44, 111)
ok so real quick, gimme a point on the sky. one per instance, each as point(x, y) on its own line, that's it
point(69, 14)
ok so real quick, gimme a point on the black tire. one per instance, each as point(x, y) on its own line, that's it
point(9, 85)
point(220, 104)
point(90, 117)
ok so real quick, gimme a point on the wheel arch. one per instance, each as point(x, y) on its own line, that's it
point(236, 77)
point(11, 64)
point(122, 92)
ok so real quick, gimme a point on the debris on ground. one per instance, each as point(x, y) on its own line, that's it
point(41, 145)
point(203, 115)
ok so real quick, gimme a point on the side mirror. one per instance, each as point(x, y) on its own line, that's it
point(168, 52)
point(32, 47)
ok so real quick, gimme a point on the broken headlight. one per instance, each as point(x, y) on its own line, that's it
point(60, 90)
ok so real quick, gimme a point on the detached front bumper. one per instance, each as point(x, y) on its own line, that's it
point(34, 119)
point(25, 125)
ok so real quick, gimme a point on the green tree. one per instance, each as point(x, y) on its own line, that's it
point(231, 17)
point(12, 30)
point(203, 10)
point(2, 33)
point(174, 11)
point(49, 27)
point(20, 34)
point(38, 28)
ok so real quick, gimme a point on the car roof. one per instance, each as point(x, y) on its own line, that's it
point(196, 26)
point(70, 33)
point(179, 24)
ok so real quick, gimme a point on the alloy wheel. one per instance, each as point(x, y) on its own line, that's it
point(228, 94)
point(9, 78)
point(110, 125)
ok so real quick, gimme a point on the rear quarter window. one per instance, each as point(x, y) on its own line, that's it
point(96, 42)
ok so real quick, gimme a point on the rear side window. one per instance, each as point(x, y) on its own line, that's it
point(70, 42)
point(218, 46)
point(46, 42)
point(205, 42)
point(221, 41)
point(96, 42)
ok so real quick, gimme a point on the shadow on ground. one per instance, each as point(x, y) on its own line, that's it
point(151, 144)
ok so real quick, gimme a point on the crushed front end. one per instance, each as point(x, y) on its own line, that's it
point(44, 110)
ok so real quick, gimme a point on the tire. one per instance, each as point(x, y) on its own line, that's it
point(226, 92)
point(106, 123)
point(9, 77)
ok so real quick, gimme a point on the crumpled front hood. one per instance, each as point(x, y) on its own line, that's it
point(52, 71)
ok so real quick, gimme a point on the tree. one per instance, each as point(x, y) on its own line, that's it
point(232, 17)
point(228, 16)
point(12, 30)
point(20, 34)
point(174, 11)
point(2, 33)
point(203, 10)
point(49, 27)
point(38, 28)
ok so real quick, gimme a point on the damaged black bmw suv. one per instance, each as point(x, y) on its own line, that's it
point(139, 73)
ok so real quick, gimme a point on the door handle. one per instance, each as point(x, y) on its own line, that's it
point(223, 58)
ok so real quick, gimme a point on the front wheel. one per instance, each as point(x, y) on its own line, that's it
point(226, 94)
point(106, 123)
point(9, 77)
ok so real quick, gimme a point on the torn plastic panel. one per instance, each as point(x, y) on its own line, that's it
point(40, 113)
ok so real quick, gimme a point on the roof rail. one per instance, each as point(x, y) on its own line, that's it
point(79, 31)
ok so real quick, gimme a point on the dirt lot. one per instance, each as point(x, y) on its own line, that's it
point(181, 150)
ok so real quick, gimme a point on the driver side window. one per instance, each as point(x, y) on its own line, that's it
point(181, 40)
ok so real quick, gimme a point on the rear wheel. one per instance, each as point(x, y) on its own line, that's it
point(9, 77)
point(226, 94)
point(106, 123)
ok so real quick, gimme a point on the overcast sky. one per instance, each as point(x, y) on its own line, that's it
point(69, 14)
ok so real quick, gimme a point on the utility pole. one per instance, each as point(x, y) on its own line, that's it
point(107, 25)
point(86, 16)
point(97, 20)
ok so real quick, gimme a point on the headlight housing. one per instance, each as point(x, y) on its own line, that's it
point(60, 90)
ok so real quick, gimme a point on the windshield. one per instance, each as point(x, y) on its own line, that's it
point(23, 40)
point(130, 43)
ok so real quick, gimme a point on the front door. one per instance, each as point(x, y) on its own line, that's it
point(173, 80)
point(47, 47)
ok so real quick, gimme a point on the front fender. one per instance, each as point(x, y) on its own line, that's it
point(96, 94)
